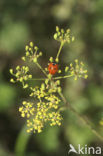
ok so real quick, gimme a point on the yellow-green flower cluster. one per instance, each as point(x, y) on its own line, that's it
point(31, 53)
point(53, 86)
point(45, 110)
point(34, 125)
point(55, 118)
point(63, 36)
point(77, 70)
point(38, 92)
point(21, 75)
point(53, 101)
point(41, 117)
point(27, 109)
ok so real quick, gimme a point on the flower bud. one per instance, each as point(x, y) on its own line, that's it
point(25, 86)
point(73, 38)
point(12, 80)
point(11, 71)
point(51, 59)
point(55, 36)
point(31, 44)
point(23, 58)
point(57, 28)
point(35, 60)
point(66, 69)
point(57, 60)
point(26, 48)
point(27, 53)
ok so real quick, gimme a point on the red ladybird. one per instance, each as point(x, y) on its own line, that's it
point(53, 68)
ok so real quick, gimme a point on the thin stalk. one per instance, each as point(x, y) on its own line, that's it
point(79, 116)
point(42, 79)
point(61, 46)
point(22, 141)
point(53, 78)
point(41, 69)
point(62, 77)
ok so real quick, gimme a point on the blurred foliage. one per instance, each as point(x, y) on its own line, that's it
point(7, 94)
point(26, 20)
point(48, 140)
point(12, 39)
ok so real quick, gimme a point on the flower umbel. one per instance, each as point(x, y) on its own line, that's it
point(63, 36)
point(77, 70)
point(31, 53)
point(21, 75)
point(27, 109)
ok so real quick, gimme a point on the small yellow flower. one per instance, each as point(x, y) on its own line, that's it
point(26, 48)
point(12, 80)
point(31, 44)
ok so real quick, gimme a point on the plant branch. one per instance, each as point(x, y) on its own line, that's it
point(21, 142)
point(61, 46)
point(41, 69)
point(62, 77)
point(79, 116)
point(38, 79)
point(54, 78)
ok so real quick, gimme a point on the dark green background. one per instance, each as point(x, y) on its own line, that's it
point(22, 21)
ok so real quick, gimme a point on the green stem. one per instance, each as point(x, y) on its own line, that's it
point(41, 69)
point(79, 116)
point(42, 79)
point(62, 77)
point(54, 78)
point(22, 141)
point(61, 46)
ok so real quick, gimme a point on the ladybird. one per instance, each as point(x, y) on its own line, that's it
point(53, 68)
